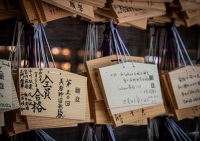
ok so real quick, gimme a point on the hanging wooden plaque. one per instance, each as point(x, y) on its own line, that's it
point(187, 112)
point(93, 65)
point(191, 13)
point(149, 5)
point(141, 14)
point(137, 87)
point(122, 11)
point(79, 8)
point(50, 12)
point(137, 115)
point(34, 122)
point(29, 12)
point(98, 108)
point(186, 5)
point(186, 86)
point(192, 21)
point(141, 24)
point(52, 93)
point(5, 85)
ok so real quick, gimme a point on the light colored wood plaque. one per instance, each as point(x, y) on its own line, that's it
point(93, 65)
point(191, 13)
point(142, 5)
point(98, 107)
point(50, 92)
point(137, 115)
point(141, 14)
point(34, 122)
point(50, 12)
point(5, 85)
point(137, 87)
point(187, 112)
point(79, 8)
point(186, 86)
point(28, 11)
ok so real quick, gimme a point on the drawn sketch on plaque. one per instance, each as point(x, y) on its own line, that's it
point(136, 87)
point(186, 86)
point(51, 92)
point(5, 84)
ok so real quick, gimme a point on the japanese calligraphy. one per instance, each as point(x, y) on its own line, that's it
point(186, 86)
point(54, 93)
point(60, 99)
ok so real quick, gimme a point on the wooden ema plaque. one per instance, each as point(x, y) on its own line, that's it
point(136, 94)
point(187, 5)
point(5, 85)
point(137, 115)
point(140, 14)
point(98, 107)
point(15, 100)
point(191, 13)
point(93, 65)
point(184, 87)
point(50, 12)
point(136, 86)
point(52, 93)
point(33, 122)
point(149, 5)
point(37, 11)
point(78, 8)
point(28, 11)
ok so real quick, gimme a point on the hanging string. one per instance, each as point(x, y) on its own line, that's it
point(179, 50)
point(117, 51)
point(91, 45)
point(37, 47)
point(152, 34)
point(125, 51)
point(15, 54)
point(120, 48)
point(183, 46)
point(110, 129)
point(47, 44)
point(12, 45)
